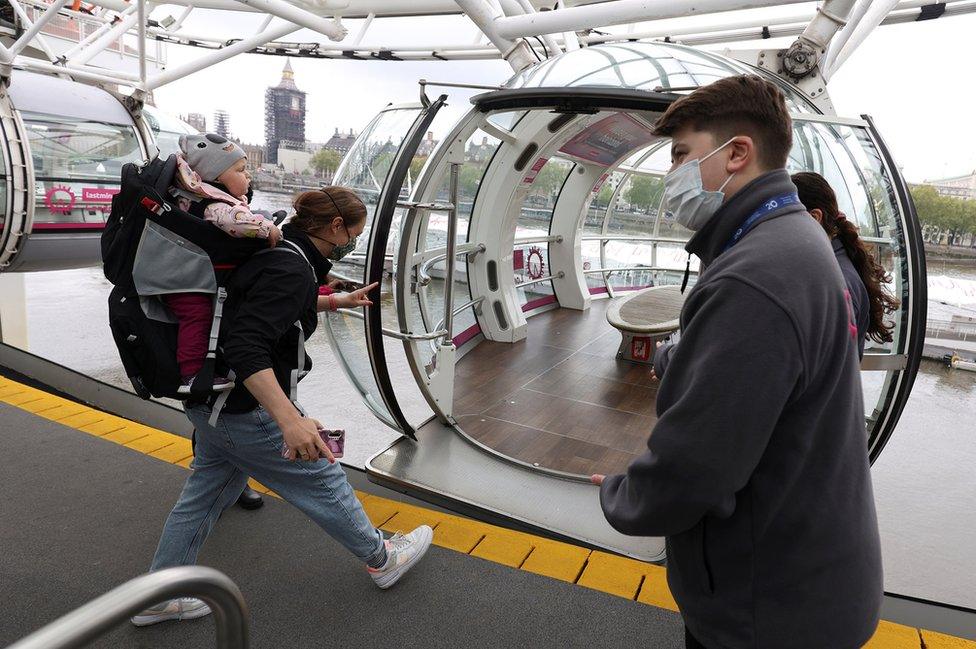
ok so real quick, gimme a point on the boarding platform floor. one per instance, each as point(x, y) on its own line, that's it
point(85, 494)
point(81, 515)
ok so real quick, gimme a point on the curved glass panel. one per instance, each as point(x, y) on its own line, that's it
point(530, 262)
point(644, 66)
point(478, 152)
point(77, 165)
point(635, 225)
point(848, 158)
point(166, 129)
point(364, 170)
point(3, 189)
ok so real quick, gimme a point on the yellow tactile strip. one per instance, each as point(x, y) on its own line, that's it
point(609, 573)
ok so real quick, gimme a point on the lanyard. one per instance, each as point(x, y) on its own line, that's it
point(765, 209)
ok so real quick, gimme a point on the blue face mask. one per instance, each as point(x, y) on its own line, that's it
point(686, 197)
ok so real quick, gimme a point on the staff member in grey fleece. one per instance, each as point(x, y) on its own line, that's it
point(757, 470)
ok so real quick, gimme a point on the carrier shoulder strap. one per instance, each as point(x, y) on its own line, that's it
point(296, 373)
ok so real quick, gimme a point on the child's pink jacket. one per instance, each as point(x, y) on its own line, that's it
point(232, 215)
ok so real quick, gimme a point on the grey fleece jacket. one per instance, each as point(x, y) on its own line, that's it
point(757, 470)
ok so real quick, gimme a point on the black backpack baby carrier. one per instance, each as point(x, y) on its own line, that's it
point(151, 248)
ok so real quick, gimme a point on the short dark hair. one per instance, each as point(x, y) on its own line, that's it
point(742, 105)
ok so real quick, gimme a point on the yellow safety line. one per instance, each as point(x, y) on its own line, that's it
point(629, 578)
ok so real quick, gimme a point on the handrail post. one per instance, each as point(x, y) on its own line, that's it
point(84, 624)
point(451, 256)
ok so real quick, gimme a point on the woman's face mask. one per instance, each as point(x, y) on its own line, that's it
point(338, 252)
point(341, 251)
point(686, 197)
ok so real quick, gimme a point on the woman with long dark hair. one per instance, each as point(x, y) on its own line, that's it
point(864, 276)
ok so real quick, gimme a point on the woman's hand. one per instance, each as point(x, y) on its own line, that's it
point(304, 442)
point(654, 376)
point(274, 236)
point(356, 298)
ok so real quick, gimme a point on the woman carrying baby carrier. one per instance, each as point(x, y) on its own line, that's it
point(271, 309)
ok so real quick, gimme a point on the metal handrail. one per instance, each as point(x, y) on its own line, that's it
point(466, 305)
point(653, 269)
point(399, 335)
point(552, 238)
point(630, 237)
point(84, 624)
point(430, 207)
point(423, 274)
point(539, 280)
point(879, 241)
point(451, 254)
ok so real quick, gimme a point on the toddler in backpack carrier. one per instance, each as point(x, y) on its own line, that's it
point(212, 183)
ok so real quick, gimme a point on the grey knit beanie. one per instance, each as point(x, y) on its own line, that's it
point(210, 154)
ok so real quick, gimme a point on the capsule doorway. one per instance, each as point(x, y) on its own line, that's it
point(548, 201)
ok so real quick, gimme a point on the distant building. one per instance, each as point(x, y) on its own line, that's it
point(341, 142)
point(427, 145)
point(956, 187)
point(293, 161)
point(196, 120)
point(284, 116)
point(222, 124)
point(255, 155)
point(480, 152)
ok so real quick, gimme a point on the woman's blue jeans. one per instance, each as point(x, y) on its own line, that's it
point(249, 444)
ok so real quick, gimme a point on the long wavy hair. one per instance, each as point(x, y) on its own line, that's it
point(817, 194)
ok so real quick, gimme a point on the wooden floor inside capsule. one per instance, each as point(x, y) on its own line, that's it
point(560, 398)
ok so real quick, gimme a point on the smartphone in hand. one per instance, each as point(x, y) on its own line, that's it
point(334, 439)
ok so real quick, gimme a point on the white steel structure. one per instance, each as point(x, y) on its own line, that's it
point(478, 248)
point(519, 31)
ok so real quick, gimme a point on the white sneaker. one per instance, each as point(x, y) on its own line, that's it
point(402, 553)
point(185, 608)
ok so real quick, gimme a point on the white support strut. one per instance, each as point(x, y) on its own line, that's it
point(806, 53)
point(239, 47)
point(874, 16)
point(617, 12)
point(35, 28)
point(517, 53)
point(330, 29)
point(106, 40)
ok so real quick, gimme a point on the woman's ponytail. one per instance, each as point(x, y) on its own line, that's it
point(816, 193)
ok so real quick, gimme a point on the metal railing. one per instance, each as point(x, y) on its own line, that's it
point(467, 305)
point(391, 333)
point(539, 280)
point(552, 238)
point(632, 237)
point(650, 269)
point(84, 624)
point(470, 249)
point(950, 330)
point(451, 256)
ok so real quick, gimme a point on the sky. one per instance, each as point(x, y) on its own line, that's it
point(910, 78)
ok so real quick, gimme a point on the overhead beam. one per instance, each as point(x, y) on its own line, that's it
point(618, 12)
point(217, 56)
point(34, 28)
point(105, 40)
point(287, 11)
point(485, 16)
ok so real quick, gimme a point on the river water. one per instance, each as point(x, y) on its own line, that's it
point(924, 481)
